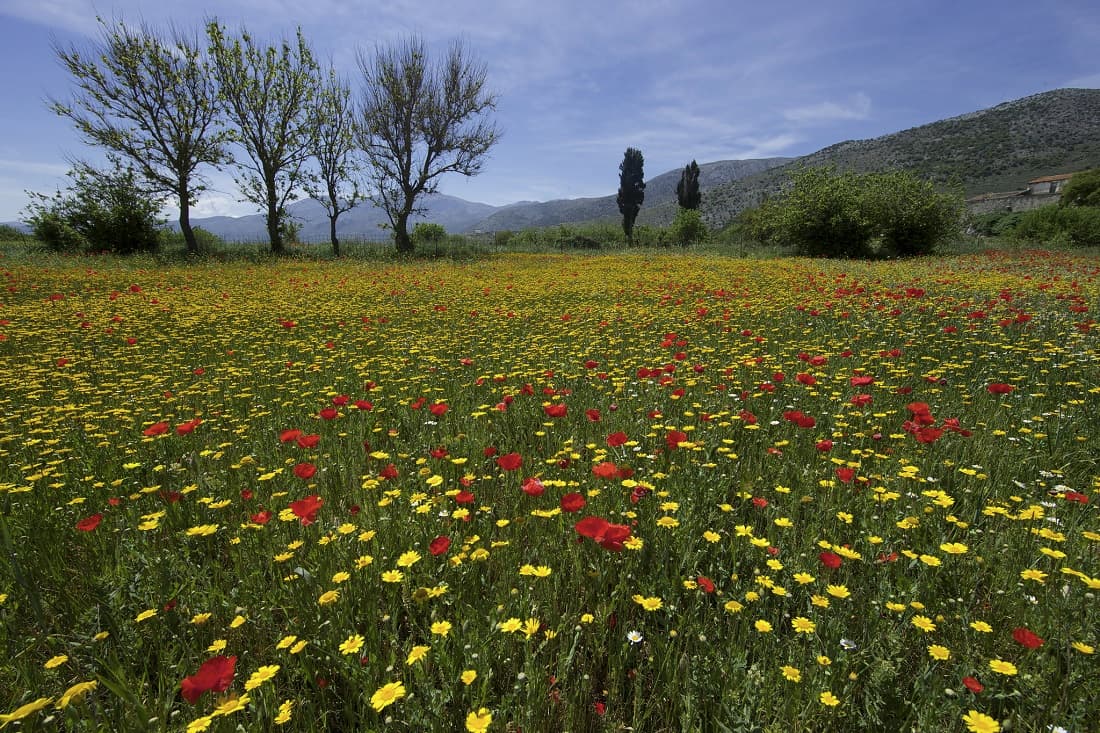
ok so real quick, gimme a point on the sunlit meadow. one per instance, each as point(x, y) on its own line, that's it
point(549, 493)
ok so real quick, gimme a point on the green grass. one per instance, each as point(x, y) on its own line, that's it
point(151, 514)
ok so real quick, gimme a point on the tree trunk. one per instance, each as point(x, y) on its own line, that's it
point(401, 233)
point(185, 220)
point(273, 220)
point(332, 234)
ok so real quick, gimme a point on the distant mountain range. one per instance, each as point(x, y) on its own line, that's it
point(997, 149)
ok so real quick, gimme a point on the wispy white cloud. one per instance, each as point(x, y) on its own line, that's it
point(858, 107)
point(32, 167)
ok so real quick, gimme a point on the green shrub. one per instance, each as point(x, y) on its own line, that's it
point(830, 214)
point(907, 214)
point(688, 228)
point(8, 233)
point(428, 233)
point(206, 240)
point(1083, 189)
point(101, 211)
point(502, 238)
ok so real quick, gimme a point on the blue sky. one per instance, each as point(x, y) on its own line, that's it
point(578, 82)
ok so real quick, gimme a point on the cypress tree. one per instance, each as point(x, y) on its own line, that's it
point(687, 190)
point(631, 189)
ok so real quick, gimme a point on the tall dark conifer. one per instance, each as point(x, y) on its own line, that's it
point(687, 190)
point(631, 189)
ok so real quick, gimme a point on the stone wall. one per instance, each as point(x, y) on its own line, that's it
point(1022, 201)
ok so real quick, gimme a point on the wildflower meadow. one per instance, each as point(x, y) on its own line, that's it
point(551, 493)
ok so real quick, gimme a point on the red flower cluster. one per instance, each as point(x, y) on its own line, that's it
point(607, 535)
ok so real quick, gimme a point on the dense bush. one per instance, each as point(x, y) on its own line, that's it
point(8, 233)
point(1077, 226)
point(207, 241)
point(428, 233)
point(821, 215)
point(101, 211)
point(687, 228)
point(908, 215)
point(1082, 190)
point(850, 215)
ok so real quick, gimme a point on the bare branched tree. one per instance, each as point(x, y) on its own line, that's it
point(335, 185)
point(421, 118)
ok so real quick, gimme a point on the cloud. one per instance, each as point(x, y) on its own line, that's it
point(858, 107)
point(32, 167)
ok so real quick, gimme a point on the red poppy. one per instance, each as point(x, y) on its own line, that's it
point(592, 415)
point(705, 584)
point(590, 364)
point(555, 410)
point(288, 435)
point(157, 428)
point(329, 413)
point(806, 379)
point(305, 471)
point(261, 517)
point(188, 427)
point(759, 502)
point(928, 434)
point(364, 405)
point(510, 461)
point(439, 409)
point(308, 441)
point(1027, 638)
point(89, 523)
point(1000, 388)
point(306, 509)
point(605, 470)
point(616, 439)
point(439, 545)
point(861, 381)
point(572, 502)
point(972, 684)
point(674, 438)
point(861, 400)
point(846, 474)
point(340, 400)
point(824, 445)
point(388, 473)
point(533, 487)
point(439, 452)
point(1076, 496)
point(800, 419)
point(607, 535)
point(215, 675)
point(830, 560)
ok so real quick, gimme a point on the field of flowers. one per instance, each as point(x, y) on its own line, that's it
point(550, 493)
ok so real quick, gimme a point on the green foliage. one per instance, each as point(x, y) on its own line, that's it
point(269, 93)
point(148, 99)
point(687, 190)
point(426, 232)
point(100, 211)
point(909, 216)
point(1076, 226)
point(1083, 189)
point(831, 214)
point(8, 233)
point(206, 241)
point(688, 228)
point(502, 238)
point(631, 189)
point(421, 118)
point(822, 215)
